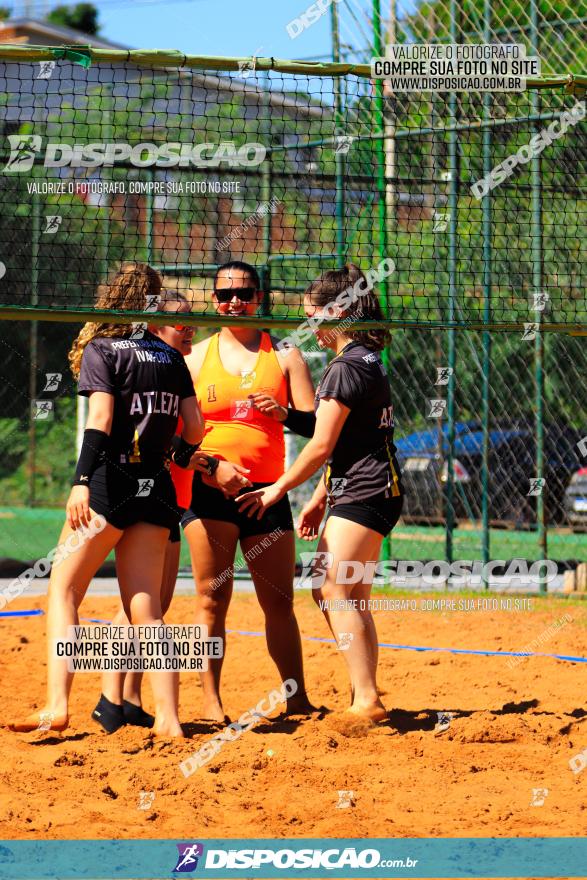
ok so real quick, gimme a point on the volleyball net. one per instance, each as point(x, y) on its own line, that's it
point(479, 200)
point(467, 212)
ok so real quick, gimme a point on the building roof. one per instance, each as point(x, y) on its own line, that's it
point(29, 31)
point(45, 33)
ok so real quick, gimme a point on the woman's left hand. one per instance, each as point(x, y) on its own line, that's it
point(258, 501)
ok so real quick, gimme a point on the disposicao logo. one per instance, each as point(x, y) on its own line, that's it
point(24, 149)
point(187, 861)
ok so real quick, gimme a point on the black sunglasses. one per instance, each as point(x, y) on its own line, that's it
point(225, 294)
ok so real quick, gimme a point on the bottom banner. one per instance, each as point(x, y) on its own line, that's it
point(406, 857)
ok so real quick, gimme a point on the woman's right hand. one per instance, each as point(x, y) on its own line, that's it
point(310, 519)
point(268, 405)
point(229, 478)
point(77, 509)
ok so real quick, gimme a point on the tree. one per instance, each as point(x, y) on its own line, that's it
point(561, 46)
point(81, 17)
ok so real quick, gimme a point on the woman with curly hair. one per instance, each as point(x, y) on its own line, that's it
point(137, 389)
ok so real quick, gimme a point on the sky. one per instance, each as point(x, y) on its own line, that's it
point(215, 27)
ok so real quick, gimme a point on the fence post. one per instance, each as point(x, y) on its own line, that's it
point(537, 288)
point(487, 283)
point(452, 291)
point(380, 160)
point(33, 344)
point(339, 160)
point(266, 198)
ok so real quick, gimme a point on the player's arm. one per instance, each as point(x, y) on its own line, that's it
point(330, 418)
point(300, 393)
point(193, 421)
point(193, 430)
point(312, 513)
point(95, 442)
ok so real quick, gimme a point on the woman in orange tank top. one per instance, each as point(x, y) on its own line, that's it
point(230, 371)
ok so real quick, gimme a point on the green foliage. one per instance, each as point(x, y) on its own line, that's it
point(561, 47)
point(82, 17)
point(54, 457)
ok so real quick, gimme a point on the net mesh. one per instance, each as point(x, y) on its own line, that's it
point(558, 35)
point(189, 168)
point(308, 171)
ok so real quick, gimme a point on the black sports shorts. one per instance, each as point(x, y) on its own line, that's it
point(175, 533)
point(128, 494)
point(210, 503)
point(379, 512)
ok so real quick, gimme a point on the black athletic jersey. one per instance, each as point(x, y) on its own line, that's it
point(148, 379)
point(363, 462)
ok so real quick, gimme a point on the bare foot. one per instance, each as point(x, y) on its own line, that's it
point(301, 705)
point(42, 721)
point(168, 729)
point(213, 711)
point(372, 711)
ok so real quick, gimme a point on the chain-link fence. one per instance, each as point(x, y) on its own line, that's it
point(300, 168)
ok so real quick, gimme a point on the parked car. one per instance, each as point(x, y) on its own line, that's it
point(422, 456)
point(576, 501)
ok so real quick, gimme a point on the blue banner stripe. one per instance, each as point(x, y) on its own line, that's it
point(344, 858)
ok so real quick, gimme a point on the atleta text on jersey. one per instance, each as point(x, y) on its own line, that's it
point(148, 380)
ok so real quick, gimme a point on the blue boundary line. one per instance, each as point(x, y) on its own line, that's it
point(421, 648)
point(32, 613)
point(570, 659)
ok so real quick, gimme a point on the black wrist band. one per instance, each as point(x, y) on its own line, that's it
point(182, 455)
point(212, 465)
point(94, 444)
point(302, 423)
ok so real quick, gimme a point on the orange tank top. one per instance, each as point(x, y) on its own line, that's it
point(235, 431)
